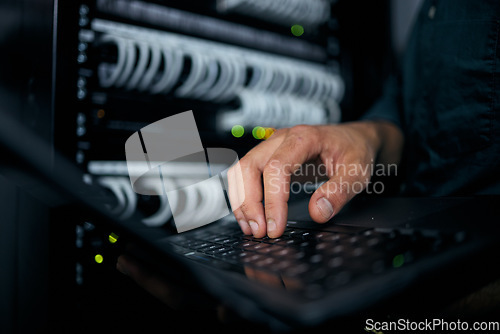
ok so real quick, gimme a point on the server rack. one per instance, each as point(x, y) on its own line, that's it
point(125, 64)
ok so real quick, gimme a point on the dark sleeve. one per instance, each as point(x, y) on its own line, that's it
point(388, 107)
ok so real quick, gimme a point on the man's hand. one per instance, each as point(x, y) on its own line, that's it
point(335, 149)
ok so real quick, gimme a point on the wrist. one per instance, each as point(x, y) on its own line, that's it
point(372, 134)
point(390, 141)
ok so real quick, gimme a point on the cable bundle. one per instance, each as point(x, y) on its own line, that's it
point(193, 204)
point(285, 12)
point(164, 63)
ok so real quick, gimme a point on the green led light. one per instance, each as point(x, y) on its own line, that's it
point(259, 132)
point(238, 131)
point(113, 238)
point(398, 261)
point(297, 30)
point(98, 258)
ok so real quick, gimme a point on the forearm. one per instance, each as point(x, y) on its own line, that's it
point(392, 142)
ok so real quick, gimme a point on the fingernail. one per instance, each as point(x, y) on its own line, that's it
point(254, 226)
point(325, 208)
point(271, 225)
point(244, 225)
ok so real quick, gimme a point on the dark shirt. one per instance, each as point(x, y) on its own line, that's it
point(446, 99)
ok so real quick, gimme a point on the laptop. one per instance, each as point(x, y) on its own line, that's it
point(377, 252)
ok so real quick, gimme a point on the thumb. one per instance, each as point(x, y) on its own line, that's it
point(331, 197)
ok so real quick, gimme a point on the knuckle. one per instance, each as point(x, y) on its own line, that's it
point(280, 132)
point(246, 166)
point(300, 129)
point(273, 167)
point(244, 162)
point(272, 164)
point(341, 198)
point(245, 207)
point(237, 213)
point(304, 134)
point(338, 193)
point(273, 205)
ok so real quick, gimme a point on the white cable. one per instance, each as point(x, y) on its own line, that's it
point(207, 204)
point(129, 65)
point(167, 77)
point(237, 81)
point(111, 184)
point(174, 70)
point(284, 12)
point(321, 88)
point(190, 202)
point(140, 68)
point(131, 197)
point(164, 213)
point(223, 82)
point(108, 79)
point(256, 75)
point(212, 72)
point(152, 70)
point(301, 90)
point(280, 87)
point(265, 79)
point(289, 10)
point(196, 73)
point(293, 81)
point(127, 199)
point(260, 109)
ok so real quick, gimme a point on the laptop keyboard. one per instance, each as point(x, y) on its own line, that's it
point(312, 261)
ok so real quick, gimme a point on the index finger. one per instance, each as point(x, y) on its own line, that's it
point(246, 187)
point(300, 146)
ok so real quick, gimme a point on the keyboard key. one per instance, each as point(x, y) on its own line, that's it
point(299, 255)
point(250, 259)
point(338, 249)
point(337, 279)
point(316, 258)
point(219, 250)
point(228, 240)
point(358, 251)
point(288, 242)
point(265, 262)
point(200, 245)
point(282, 252)
point(335, 238)
point(323, 246)
point(335, 262)
point(374, 241)
point(257, 247)
point(296, 270)
point(245, 244)
point(273, 241)
point(282, 265)
point(244, 254)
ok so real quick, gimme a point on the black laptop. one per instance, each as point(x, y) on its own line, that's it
point(376, 252)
